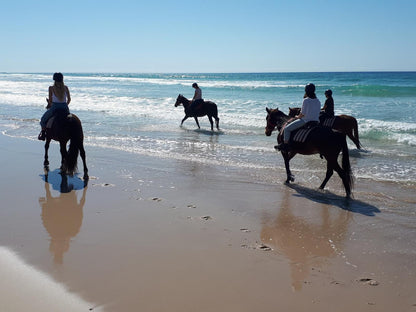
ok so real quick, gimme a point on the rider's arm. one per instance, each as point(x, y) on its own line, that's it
point(49, 100)
point(68, 96)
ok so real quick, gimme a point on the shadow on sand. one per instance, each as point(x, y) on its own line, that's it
point(64, 183)
point(326, 197)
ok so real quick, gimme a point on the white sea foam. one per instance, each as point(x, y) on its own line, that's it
point(25, 288)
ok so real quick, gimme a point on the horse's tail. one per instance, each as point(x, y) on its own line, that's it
point(355, 134)
point(346, 166)
point(76, 140)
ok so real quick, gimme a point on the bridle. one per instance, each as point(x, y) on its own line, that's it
point(180, 100)
point(270, 126)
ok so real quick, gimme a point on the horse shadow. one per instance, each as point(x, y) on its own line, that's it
point(63, 183)
point(329, 198)
point(204, 131)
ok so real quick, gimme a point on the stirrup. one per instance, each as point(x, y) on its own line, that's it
point(42, 135)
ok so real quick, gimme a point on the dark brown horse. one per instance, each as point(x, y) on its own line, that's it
point(321, 140)
point(342, 123)
point(67, 128)
point(207, 108)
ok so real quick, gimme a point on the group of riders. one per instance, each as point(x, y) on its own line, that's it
point(59, 99)
point(310, 113)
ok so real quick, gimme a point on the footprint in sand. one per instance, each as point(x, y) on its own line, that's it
point(104, 184)
point(369, 281)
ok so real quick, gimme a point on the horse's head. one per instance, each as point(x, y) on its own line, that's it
point(178, 100)
point(294, 111)
point(275, 118)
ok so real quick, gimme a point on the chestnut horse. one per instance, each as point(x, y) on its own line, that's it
point(320, 140)
point(207, 108)
point(67, 128)
point(343, 123)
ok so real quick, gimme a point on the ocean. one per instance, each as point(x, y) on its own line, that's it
point(135, 113)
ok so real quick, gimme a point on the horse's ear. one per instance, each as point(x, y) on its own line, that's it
point(267, 110)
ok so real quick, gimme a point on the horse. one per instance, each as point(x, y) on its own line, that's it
point(320, 140)
point(207, 108)
point(342, 123)
point(67, 128)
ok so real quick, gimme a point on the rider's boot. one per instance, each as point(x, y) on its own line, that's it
point(284, 147)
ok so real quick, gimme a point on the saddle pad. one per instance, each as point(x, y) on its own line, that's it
point(329, 122)
point(301, 135)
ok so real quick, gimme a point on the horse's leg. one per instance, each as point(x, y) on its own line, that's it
point(197, 123)
point(84, 162)
point(211, 122)
point(217, 122)
point(184, 118)
point(64, 152)
point(46, 160)
point(329, 173)
point(332, 165)
point(287, 156)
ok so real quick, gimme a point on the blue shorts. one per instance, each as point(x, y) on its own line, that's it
point(49, 113)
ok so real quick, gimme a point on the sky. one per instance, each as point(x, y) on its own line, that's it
point(161, 36)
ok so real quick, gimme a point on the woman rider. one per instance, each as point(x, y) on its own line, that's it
point(311, 108)
point(59, 99)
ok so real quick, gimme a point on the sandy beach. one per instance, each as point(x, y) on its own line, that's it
point(155, 234)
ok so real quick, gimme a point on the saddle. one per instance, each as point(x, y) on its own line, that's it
point(196, 106)
point(57, 116)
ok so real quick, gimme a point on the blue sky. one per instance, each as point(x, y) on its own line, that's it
point(207, 36)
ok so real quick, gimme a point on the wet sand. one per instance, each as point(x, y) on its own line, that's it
point(152, 234)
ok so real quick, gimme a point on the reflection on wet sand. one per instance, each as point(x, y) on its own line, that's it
point(62, 215)
point(306, 240)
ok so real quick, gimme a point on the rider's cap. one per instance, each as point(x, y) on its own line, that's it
point(328, 92)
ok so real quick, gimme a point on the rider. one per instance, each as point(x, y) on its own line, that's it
point(328, 109)
point(197, 99)
point(311, 107)
point(59, 99)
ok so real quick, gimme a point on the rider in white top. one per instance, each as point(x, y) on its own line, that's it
point(55, 102)
point(311, 108)
point(197, 99)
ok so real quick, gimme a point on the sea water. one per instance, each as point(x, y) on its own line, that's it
point(135, 113)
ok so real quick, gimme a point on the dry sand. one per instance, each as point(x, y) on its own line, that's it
point(150, 234)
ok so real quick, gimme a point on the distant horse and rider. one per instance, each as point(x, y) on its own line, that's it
point(205, 108)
